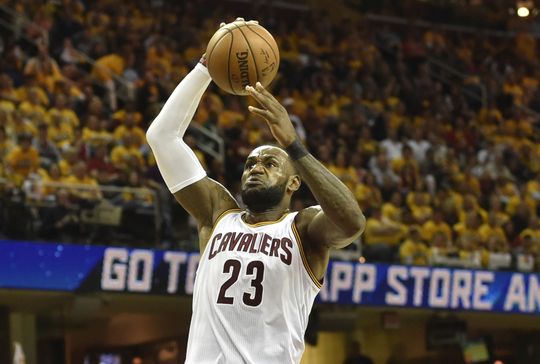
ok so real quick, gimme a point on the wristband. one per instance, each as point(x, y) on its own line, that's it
point(296, 150)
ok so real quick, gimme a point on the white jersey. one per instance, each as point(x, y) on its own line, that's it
point(253, 294)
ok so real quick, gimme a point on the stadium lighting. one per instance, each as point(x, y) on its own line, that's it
point(523, 12)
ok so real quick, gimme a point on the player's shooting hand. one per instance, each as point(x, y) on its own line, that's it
point(274, 113)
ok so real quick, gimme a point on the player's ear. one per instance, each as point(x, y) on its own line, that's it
point(294, 183)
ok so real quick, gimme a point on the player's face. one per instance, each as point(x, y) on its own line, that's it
point(265, 178)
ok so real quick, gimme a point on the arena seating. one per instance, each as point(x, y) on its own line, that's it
point(436, 133)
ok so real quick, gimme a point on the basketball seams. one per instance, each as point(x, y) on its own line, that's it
point(209, 52)
point(229, 62)
point(276, 57)
point(250, 50)
point(228, 80)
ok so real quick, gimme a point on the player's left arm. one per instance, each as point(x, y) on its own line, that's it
point(339, 220)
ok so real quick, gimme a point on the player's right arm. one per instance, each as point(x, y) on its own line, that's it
point(204, 198)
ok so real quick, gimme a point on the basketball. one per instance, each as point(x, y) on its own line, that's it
point(242, 53)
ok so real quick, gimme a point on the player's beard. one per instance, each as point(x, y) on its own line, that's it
point(262, 199)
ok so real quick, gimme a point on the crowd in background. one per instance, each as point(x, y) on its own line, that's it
point(442, 177)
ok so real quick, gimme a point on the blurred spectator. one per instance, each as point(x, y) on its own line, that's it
point(22, 160)
point(83, 189)
point(381, 237)
point(367, 103)
point(414, 250)
point(368, 194)
point(527, 253)
point(436, 225)
point(491, 228)
point(50, 177)
point(392, 145)
point(48, 153)
point(393, 209)
point(61, 221)
point(380, 166)
point(100, 166)
point(127, 154)
point(495, 254)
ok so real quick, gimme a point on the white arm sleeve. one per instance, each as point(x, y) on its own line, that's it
point(176, 161)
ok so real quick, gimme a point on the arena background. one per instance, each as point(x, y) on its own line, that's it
point(427, 110)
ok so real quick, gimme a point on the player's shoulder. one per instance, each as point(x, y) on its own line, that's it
point(304, 216)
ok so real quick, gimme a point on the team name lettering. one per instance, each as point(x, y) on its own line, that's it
point(241, 57)
point(252, 243)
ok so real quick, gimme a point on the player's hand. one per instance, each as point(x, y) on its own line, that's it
point(274, 113)
point(203, 59)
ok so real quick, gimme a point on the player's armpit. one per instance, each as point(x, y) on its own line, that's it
point(205, 200)
point(322, 231)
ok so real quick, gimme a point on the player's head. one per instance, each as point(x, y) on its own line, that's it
point(269, 179)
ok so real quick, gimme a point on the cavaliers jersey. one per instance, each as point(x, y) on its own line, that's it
point(253, 294)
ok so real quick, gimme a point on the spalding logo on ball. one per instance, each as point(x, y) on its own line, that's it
point(242, 53)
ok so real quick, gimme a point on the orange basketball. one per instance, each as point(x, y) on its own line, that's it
point(240, 54)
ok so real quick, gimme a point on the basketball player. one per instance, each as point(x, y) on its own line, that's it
point(260, 267)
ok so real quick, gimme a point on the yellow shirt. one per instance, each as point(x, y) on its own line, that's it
point(430, 228)
point(367, 146)
point(135, 131)
point(23, 162)
point(462, 231)
point(391, 212)
point(67, 116)
point(120, 156)
point(535, 237)
point(108, 66)
point(10, 96)
point(398, 163)
point(458, 199)
point(533, 188)
point(65, 167)
point(32, 111)
point(371, 236)
point(95, 137)
point(83, 193)
point(229, 118)
point(367, 196)
point(462, 214)
point(412, 252)
point(24, 127)
point(120, 115)
point(49, 190)
point(43, 98)
point(514, 201)
point(421, 213)
point(5, 147)
point(143, 194)
point(501, 217)
point(347, 175)
point(411, 196)
point(61, 135)
point(45, 79)
point(486, 231)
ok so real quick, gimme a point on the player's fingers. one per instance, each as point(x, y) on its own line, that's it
point(259, 87)
point(222, 24)
point(257, 96)
point(261, 112)
point(267, 102)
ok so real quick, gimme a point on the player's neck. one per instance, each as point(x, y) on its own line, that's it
point(271, 214)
